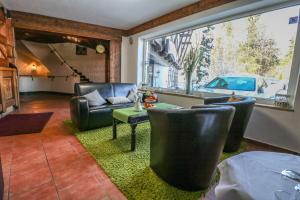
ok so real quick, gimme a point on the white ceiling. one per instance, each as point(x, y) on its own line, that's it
point(122, 14)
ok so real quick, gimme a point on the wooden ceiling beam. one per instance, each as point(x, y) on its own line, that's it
point(36, 22)
point(30, 21)
point(200, 6)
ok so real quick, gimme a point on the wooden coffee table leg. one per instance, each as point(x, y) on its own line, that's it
point(133, 136)
point(114, 129)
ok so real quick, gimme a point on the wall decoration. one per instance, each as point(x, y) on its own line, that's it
point(100, 49)
point(130, 40)
point(80, 50)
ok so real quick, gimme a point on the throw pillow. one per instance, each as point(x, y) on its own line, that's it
point(132, 94)
point(118, 100)
point(95, 99)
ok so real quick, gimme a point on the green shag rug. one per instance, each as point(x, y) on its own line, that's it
point(130, 171)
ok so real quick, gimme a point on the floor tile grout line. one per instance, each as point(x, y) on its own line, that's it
point(24, 191)
point(56, 188)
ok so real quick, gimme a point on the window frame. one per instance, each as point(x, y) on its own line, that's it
point(295, 66)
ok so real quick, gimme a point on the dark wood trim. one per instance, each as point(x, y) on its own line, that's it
point(177, 14)
point(30, 21)
point(107, 67)
point(2, 16)
point(46, 92)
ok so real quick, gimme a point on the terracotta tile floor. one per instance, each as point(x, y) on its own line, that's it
point(52, 164)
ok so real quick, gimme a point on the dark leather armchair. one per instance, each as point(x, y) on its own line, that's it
point(87, 117)
point(1, 182)
point(186, 144)
point(240, 121)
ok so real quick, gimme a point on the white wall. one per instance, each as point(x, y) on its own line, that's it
point(275, 127)
point(50, 60)
point(41, 52)
point(44, 84)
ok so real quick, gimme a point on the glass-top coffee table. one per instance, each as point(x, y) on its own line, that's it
point(132, 117)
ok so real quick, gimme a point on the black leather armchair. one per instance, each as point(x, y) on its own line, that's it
point(240, 121)
point(186, 144)
point(87, 117)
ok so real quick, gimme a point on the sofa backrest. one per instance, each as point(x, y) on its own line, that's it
point(105, 89)
point(122, 89)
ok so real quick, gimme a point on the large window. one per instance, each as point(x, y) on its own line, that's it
point(250, 56)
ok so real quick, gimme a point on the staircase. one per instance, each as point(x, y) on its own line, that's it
point(83, 78)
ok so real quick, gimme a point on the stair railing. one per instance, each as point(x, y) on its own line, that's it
point(64, 62)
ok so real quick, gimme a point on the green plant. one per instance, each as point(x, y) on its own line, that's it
point(258, 53)
point(206, 47)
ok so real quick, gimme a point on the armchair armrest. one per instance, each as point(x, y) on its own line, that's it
point(212, 100)
point(204, 106)
point(79, 109)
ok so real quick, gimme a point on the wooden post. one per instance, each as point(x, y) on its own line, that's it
point(2, 96)
point(113, 62)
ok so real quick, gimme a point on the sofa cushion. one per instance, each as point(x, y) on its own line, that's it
point(95, 99)
point(110, 106)
point(97, 107)
point(118, 100)
point(117, 106)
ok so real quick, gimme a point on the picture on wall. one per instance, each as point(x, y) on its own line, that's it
point(80, 50)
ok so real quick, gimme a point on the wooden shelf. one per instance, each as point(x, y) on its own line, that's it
point(3, 62)
point(3, 39)
point(10, 102)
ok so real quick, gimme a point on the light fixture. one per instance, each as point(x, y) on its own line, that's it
point(100, 48)
point(33, 68)
point(73, 39)
point(130, 40)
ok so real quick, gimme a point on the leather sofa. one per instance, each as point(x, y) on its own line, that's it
point(240, 121)
point(186, 144)
point(87, 117)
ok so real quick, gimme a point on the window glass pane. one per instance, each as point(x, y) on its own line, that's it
point(249, 56)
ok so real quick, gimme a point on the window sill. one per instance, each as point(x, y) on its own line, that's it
point(173, 93)
point(274, 107)
point(203, 96)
